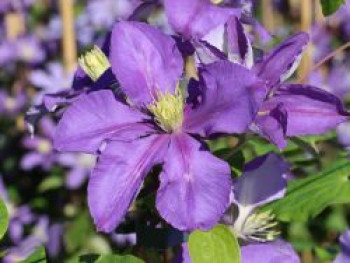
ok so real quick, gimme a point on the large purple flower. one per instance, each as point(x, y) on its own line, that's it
point(288, 109)
point(155, 124)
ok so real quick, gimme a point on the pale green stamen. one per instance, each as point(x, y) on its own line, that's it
point(261, 227)
point(168, 110)
point(94, 63)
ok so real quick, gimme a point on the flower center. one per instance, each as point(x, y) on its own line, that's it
point(168, 110)
point(44, 146)
point(261, 227)
point(94, 63)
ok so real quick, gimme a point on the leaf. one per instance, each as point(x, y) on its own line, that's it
point(50, 183)
point(78, 231)
point(38, 256)
point(92, 258)
point(307, 197)
point(331, 6)
point(4, 219)
point(234, 158)
point(217, 244)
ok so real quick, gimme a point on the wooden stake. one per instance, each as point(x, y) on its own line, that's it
point(68, 38)
point(15, 25)
point(306, 22)
point(268, 15)
point(319, 17)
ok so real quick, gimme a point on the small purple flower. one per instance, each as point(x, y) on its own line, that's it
point(155, 125)
point(19, 217)
point(52, 80)
point(29, 50)
point(42, 153)
point(12, 105)
point(344, 255)
point(28, 245)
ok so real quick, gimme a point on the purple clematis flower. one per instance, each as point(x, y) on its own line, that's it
point(155, 125)
point(248, 195)
point(344, 255)
point(263, 180)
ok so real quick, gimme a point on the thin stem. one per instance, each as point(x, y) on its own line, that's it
point(327, 58)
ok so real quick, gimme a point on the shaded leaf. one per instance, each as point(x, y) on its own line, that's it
point(331, 6)
point(38, 256)
point(4, 220)
point(217, 244)
point(307, 197)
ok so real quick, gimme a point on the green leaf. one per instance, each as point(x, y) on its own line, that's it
point(78, 231)
point(307, 197)
point(217, 244)
point(39, 256)
point(4, 219)
point(331, 6)
point(92, 258)
point(50, 183)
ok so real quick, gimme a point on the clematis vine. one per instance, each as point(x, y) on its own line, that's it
point(155, 122)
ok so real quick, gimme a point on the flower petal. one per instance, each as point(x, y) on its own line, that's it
point(278, 251)
point(283, 60)
point(263, 180)
point(344, 255)
point(310, 110)
point(195, 18)
point(239, 47)
point(194, 185)
point(272, 125)
point(145, 61)
point(93, 118)
point(231, 95)
point(118, 176)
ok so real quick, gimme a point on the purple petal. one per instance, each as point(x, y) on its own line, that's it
point(239, 47)
point(194, 185)
point(263, 180)
point(183, 255)
point(310, 110)
point(30, 160)
point(283, 60)
point(344, 255)
point(195, 18)
point(272, 125)
point(93, 118)
point(118, 176)
point(15, 231)
point(343, 132)
point(231, 95)
point(76, 177)
point(278, 251)
point(145, 61)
